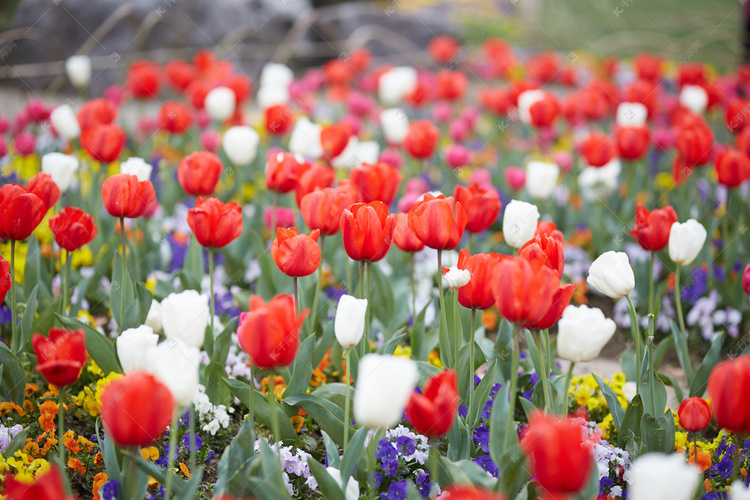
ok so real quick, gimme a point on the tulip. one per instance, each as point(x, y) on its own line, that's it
point(132, 344)
point(128, 411)
point(367, 230)
point(612, 275)
point(403, 236)
point(377, 181)
point(560, 300)
point(538, 108)
point(438, 221)
point(154, 316)
point(65, 122)
point(175, 117)
point(647, 475)
point(598, 149)
point(694, 141)
point(694, 98)
point(443, 49)
point(138, 167)
point(632, 142)
point(269, 333)
point(96, 112)
point(305, 139)
point(276, 75)
point(519, 222)
point(524, 290)
point(61, 356)
point(463, 492)
point(78, 69)
point(349, 324)
point(104, 143)
point(176, 365)
point(746, 280)
point(25, 143)
point(322, 208)
point(125, 196)
point(20, 212)
point(727, 383)
point(143, 80)
point(276, 217)
point(279, 119)
point(455, 277)
point(199, 172)
point(61, 167)
point(457, 156)
point(477, 294)
point(184, 316)
point(396, 84)
point(686, 241)
point(433, 412)
point(694, 414)
point(599, 183)
point(451, 85)
point(631, 114)
point(283, 171)
point(395, 125)
point(736, 114)
point(541, 179)
point(272, 96)
point(220, 103)
point(73, 228)
point(515, 177)
point(560, 460)
point(421, 139)
point(546, 248)
point(48, 485)
point(738, 491)
point(582, 332)
point(316, 177)
point(45, 188)
point(215, 224)
point(334, 139)
point(179, 74)
point(348, 158)
point(652, 228)
point(482, 205)
point(732, 168)
point(240, 143)
point(296, 254)
point(351, 492)
point(384, 386)
point(550, 229)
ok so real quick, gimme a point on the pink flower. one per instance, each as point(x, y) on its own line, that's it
point(564, 160)
point(481, 176)
point(210, 140)
point(284, 217)
point(25, 143)
point(458, 130)
point(392, 157)
point(515, 177)
point(441, 112)
point(456, 155)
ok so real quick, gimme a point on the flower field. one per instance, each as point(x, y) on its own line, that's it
point(371, 281)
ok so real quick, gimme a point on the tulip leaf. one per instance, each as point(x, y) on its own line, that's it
point(27, 322)
point(426, 370)
point(332, 451)
point(499, 423)
point(121, 294)
point(261, 406)
point(661, 350)
point(328, 415)
point(672, 382)
point(658, 432)
point(159, 473)
point(470, 472)
point(698, 387)
point(481, 393)
point(628, 365)
point(326, 484)
point(459, 441)
point(630, 428)
point(223, 342)
point(322, 346)
point(514, 473)
point(214, 375)
point(270, 465)
point(382, 303)
point(613, 403)
point(422, 340)
point(34, 272)
point(353, 453)
point(240, 450)
point(390, 347)
point(109, 453)
point(190, 491)
point(445, 342)
point(192, 267)
point(528, 406)
point(504, 349)
point(137, 312)
point(13, 387)
point(99, 347)
point(467, 367)
point(302, 368)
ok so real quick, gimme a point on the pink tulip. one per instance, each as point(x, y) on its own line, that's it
point(515, 177)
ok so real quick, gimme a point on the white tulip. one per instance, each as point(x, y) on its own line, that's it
point(456, 278)
point(368, 151)
point(525, 101)
point(738, 492)
point(694, 98)
point(271, 96)
point(597, 184)
point(397, 83)
point(240, 143)
point(65, 122)
point(612, 275)
point(541, 179)
point(305, 139)
point(184, 316)
point(631, 114)
point(686, 241)
point(176, 365)
point(154, 316)
point(348, 158)
point(658, 476)
point(138, 167)
point(582, 332)
point(78, 69)
point(61, 168)
point(384, 386)
point(132, 344)
point(395, 125)
point(352, 486)
point(519, 222)
point(276, 75)
point(349, 324)
point(221, 103)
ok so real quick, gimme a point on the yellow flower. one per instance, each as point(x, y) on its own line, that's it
point(664, 181)
point(20, 258)
point(434, 359)
point(150, 284)
point(151, 453)
point(403, 351)
point(82, 258)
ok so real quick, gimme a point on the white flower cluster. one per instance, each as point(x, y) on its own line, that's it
point(211, 418)
point(711, 320)
point(611, 462)
point(294, 463)
point(238, 362)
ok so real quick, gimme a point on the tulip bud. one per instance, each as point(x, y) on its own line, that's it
point(305, 139)
point(272, 96)
point(132, 343)
point(541, 179)
point(240, 144)
point(648, 472)
point(384, 385)
point(694, 98)
point(582, 332)
point(78, 69)
point(349, 324)
point(599, 183)
point(515, 177)
point(61, 167)
point(397, 83)
point(395, 125)
point(368, 151)
point(220, 103)
point(276, 75)
point(348, 157)
point(686, 241)
point(185, 317)
point(138, 167)
point(738, 491)
point(695, 414)
point(455, 277)
point(525, 101)
point(351, 492)
point(154, 316)
point(631, 114)
point(176, 365)
point(65, 122)
point(519, 222)
point(612, 275)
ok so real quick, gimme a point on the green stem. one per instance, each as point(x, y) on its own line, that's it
point(346, 400)
point(349, 275)
point(548, 350)
point(362, 296)
point(651, 285)
point(510, 430)
point(471, 357)
point(274, 406)
point(458, 337)
point(272, 229)
point(434, 467)
point(413, 295)
point(443, 317)
point(568, 381)
point(296, 297)
point(61, 426)
point(192, 439)
point(211, 296)
point(124, 273)
point(651, 370)
point(131, 474)
point(368, 311)
point(316, 297)
point(638, 340)
point(681, 320)
point(15, 340)
point(173, 431)
point(544, 376)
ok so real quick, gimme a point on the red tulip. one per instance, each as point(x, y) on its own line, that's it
point(477, 294)
point(728, 386)
point(695, 414)
point(103, 142)
point(746, 280)
point(543, 67)
point(550, 229)
point(129, 413)
point(544, 112)
point(742, 141)
point(240, 85)
point(376, 181)
point(560, 301)
point(61, 356)
point(524, 290)
point(694, 141)
point(648, 67)
point(732, 168)
point(199, 172)
point(48, 485)
point(296, 254)
point(5, 281)
point(269, 333)
point(45, 188)
point(598, 149)
point(560, 461)
point(403, 237)
point(279, 119)
point(645, 92)
point(482, 205)
point(737, 114)
point(438, 221)
point(496, 100)
point(175, 117)
point(421, 139)
point(691, 74)
point(463, 492)
point(125, 196)
point(433, 412)
point(20, 212)
point(334, 139)
point(143, 80)
point(214, 223)
point(96, 112)
point(632, 142)
point(317, 176)
point(443, 49)
point(179, 74)
point(546, 248)
point(322, 208)
point(451, 85)
point(367, 230)
point(283, 170)
point(652, 228)
point(73, 228)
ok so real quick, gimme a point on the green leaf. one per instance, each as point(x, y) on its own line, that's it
point(223, 341)
point(328, 415)
point(326, 484)
point(13, 387)
point(332, 451)
point(682, 354)
point(137, 311)
point(481, 393)
point(192, 267)
point(271, 469)
point(466, 369)
point(422, 340)
point(499, 423)
point(262, 407)
point(390, 347)
point(661, 350)
point(612, 402)
point(27, 321)
point(121, 293)
point(240, 451)
point(99, 347)
point(109, 452)
point(631, 422)
point(629, 365)
point(658, 432)
point(302, 368)
point(504, 349)
point(669, 380)
point(698, 387)
point(382, 303)
point(353, 454)
point(32, 269)
point(514, 475)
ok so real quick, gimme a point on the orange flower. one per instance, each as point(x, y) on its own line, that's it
point(48, 412)
point(185, 470)
point(76, 465)
point(71, 443)
point(99, 481)
point(489, 319)
point(704, 459)
point(150, 453)
point(297, 422)
point(31, 389)
point(9, 406)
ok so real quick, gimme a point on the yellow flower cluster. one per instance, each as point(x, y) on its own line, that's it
point(20, 257)
point(586, 392)
point(90, 399)
point(23, 466)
